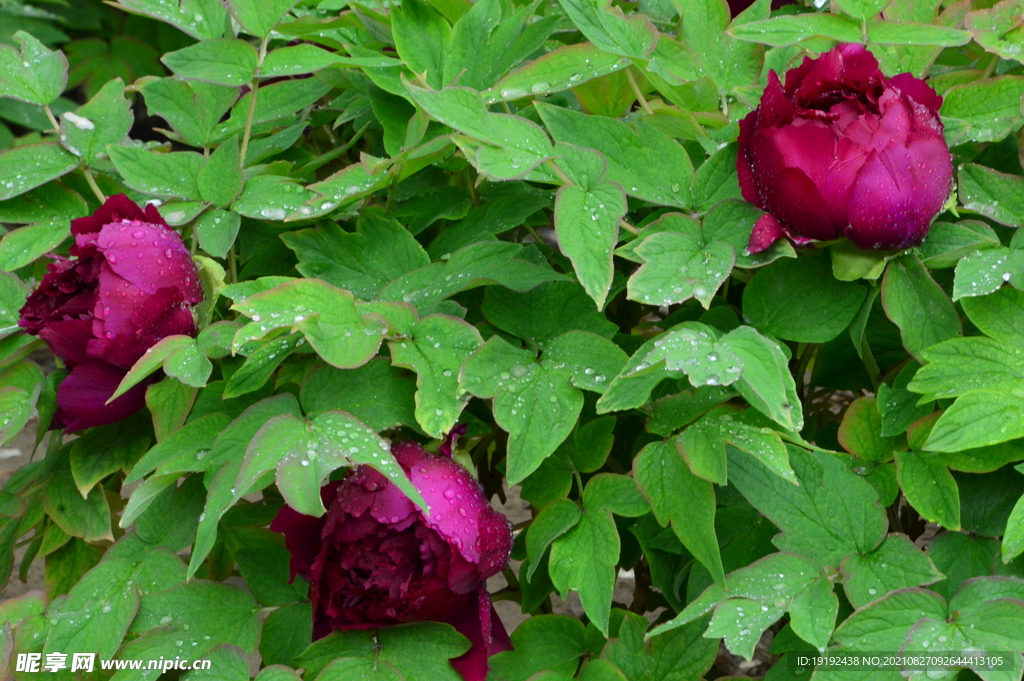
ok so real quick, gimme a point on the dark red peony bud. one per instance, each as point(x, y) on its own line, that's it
point(130, 282)
point(375, 559)
point(842, 150)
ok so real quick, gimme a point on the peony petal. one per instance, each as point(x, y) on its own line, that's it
point(479, 622)
point(117, 208)
point(767, 230)
point(301, 536)
point(918, 90)
point(82, 397)
point(68, 340)
point(151, 257)
point(744, 170)
point(458, 508)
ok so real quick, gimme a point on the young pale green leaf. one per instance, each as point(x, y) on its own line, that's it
point(220, 180)
point(790, 30)
point(183, 444)
point(907, 290)
point(343, 187)
point(982, 272)
point(989, 109)
point(914, 33)
point(216, 230)
point(860, 432)
point(702, 445)
point(589, 359)
point(26, 167)
point(895, 564)
point(32, 73)
point(963, 364)
point(259, 17)
point(220, 61)
point(929, 488)
point(993, 29)
point(561, 69)
point(189, 365)
point(172, 174)
point(583, 560)
point(616, 493)
point(271, 197)
point(326, 315)
point(22, 246)
point(380, 251)
point(680, 498)
point(862, 9)
point(587, 224)
point(648, 164)
point(678, 266)
point(727, 61)
point(978, 418)
point(831, 514)
point(152, 360)
point(779, 301)
point(768, 588)
point(609, 29)
point(104, 119)
point(436, 349)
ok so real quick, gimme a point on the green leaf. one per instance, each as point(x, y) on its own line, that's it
point(998, 315)
point(151, 361)
point(703, 446)
point(561, 69)
point(216, 230)
point(220, 61)
point(715, 180)
point(791, 29)
point(266, 573)
point(46, 204)
point(648, 164)
point(992, 194)
point(990, 108)
point(929, 488)
point(104, 119)
point(376, 393)
point(884, 624)
point(779, 301)
point(422, 38)
point(862, 9)
point(976, 419)
point(479, 264)
point(378, 252)
point(420, 650)
point(679, 265)
point(587, 224)
point(983, 272)
point(197, 435)
point(895, 564)
point(88, 518)
point(993, 29)
point(860, 432)
point(554, 520)
point(436, 349)
point(964, 364)
point(12, 297)
point(947, 243)
point(26, 167)
point(766, 588)
point(907, 290)
point(172, 174)
point(304, 454)
point(679, 497)
point(23, 245)
point(609, 29)
point(220, 179)
point(765, 382)
point(832, 513)
point(731, 221)
point(615, 493)
point(286, 633)
point(66, 565)
point(915, 33)
point(101, 451)
point(201, 19)
point(728, 62)
point(583, 560)
point(544, 312)
point(544, 642)
point(32, 73)
point(306, 58)
point(192, 108)
point(524, 391)
point(259, 17)
point(326, 315)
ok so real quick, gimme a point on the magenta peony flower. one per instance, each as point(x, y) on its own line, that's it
point(130, 282)
point(844, 151)
point(375, 559)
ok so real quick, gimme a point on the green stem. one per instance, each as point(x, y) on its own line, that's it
point(232, 265)
point(629, 228)
point(636, 93)
point(869, 362)
point(558, 171)
point(53, 119)
point(247, 133)
point(93, 186)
